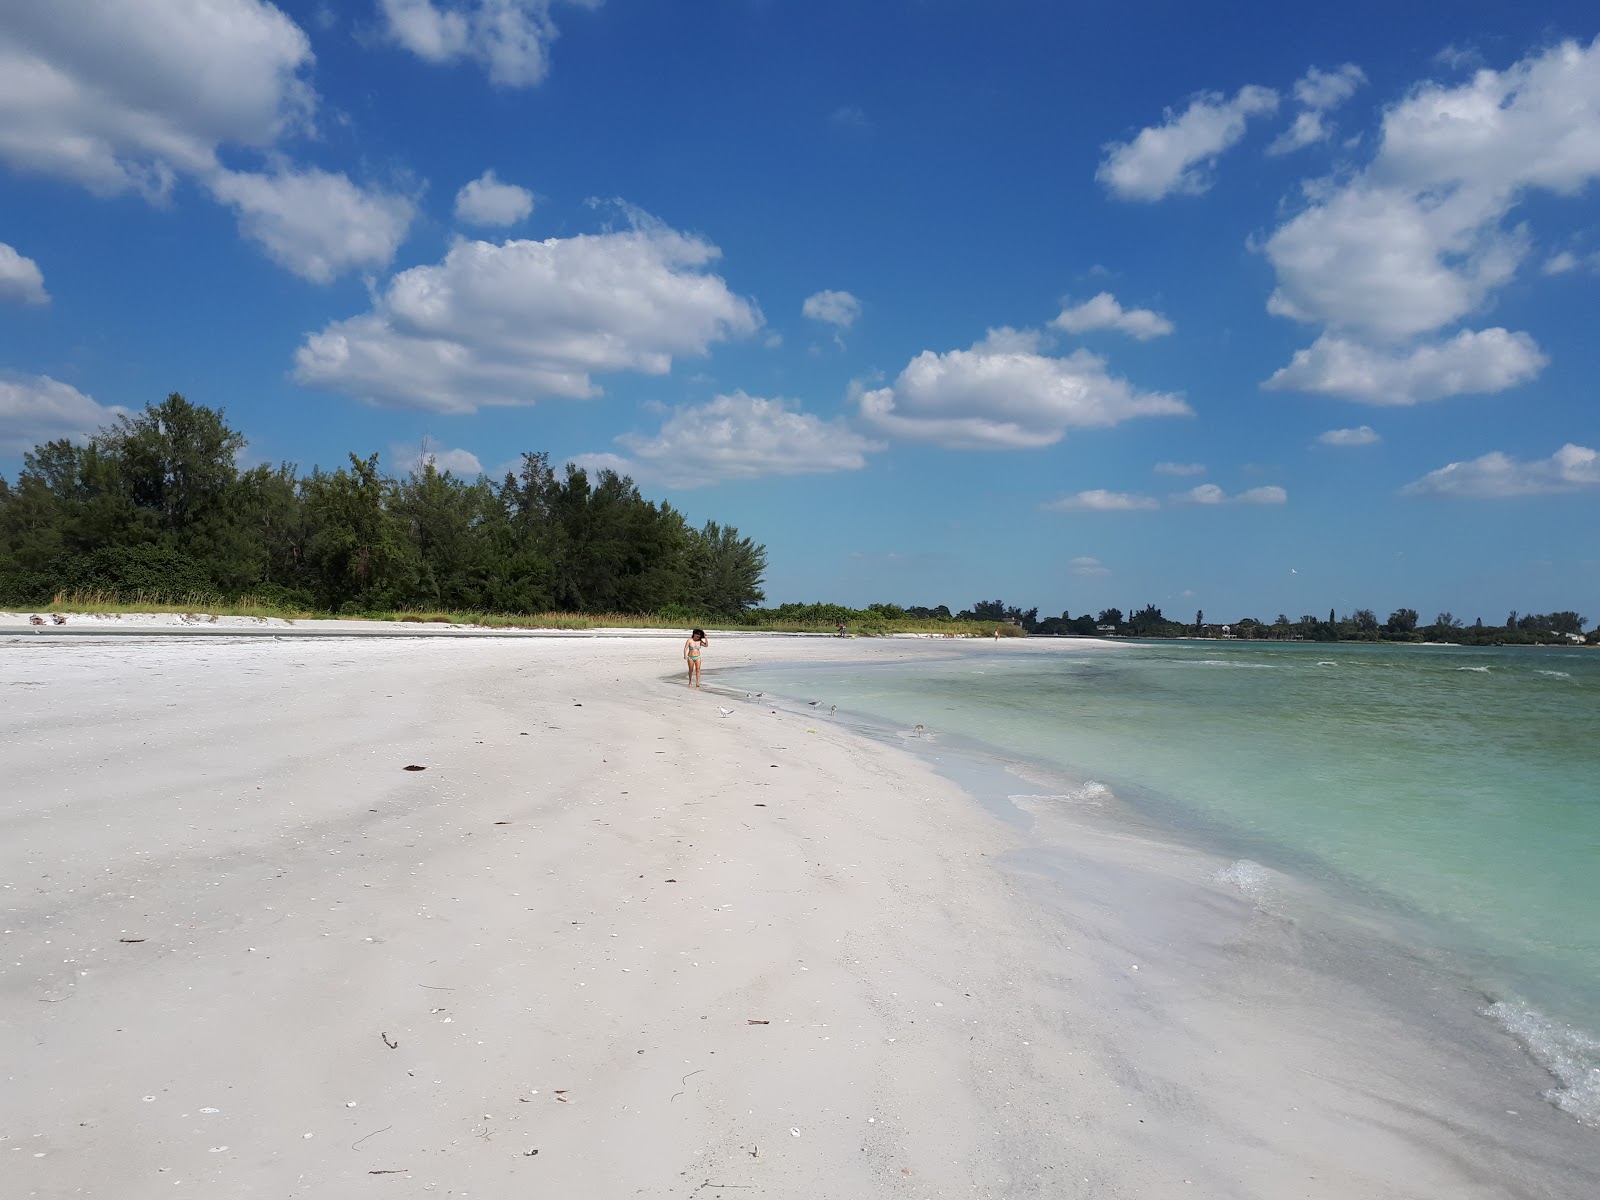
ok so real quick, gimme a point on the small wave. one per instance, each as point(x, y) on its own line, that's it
point(1240, 666)
point(1555, 674)
point(1093, 793)
point(1326, 662)
point(1479, 670)
point(1569, 1054)
point(1251, 878)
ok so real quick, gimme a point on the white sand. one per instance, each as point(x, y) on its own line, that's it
point(222, 898)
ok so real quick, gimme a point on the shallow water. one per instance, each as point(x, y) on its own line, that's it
point(1451, 793)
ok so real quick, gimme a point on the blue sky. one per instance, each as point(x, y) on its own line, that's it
point(1235, 308)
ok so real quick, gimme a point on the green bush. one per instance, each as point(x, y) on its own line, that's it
point(152, 571)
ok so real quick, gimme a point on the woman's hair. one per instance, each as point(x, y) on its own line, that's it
point(698, 633)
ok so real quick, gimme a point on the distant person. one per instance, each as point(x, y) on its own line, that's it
point(36, 619)
point(997, 633)
point(842, 631)
point(57, 619)
point(692, 649)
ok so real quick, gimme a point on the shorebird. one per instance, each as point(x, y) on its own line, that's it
point(833, 710)
point(919, 731)
point(724, 712)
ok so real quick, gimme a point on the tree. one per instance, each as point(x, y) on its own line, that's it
point(1110, 616)
point(1365, 621)
point(1199, 620)
point(725, 571)
point(1403, 621)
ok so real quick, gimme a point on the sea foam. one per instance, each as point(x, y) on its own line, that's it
point(1251, 878)
point(1569, 1054)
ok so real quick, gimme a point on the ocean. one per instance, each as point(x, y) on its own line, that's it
point(1448, 798)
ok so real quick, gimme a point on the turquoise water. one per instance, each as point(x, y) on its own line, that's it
point(1455, 791)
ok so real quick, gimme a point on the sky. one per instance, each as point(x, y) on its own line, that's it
point(1252, 308)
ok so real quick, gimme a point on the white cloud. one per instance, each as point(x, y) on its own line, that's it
point(138, 94)
point(488, 201)
point(1307, 130)
point(1321, 90)
point(132, 93)
point(461, 463)
point(737, 436)
point(1003, 394)
point(1565, 261)
point(1496, 475)
point(523, 321)
point(509, 38)
point(1262, 495)
point(1174, 468)
point(35, 409)
point(839, 309)
point(1472, 362)
point(1317, 91)
point(850, 116)
point(314, 223)
point(1177, 155)
point(1211, 494)
point(1560, 263)
point(1100, 500)
point(1089, 566)
point(21, 281)
point(1361, 435)
point(1103, 312)
point(1418, 240)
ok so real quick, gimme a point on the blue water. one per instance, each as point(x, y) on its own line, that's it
point(1454, 792)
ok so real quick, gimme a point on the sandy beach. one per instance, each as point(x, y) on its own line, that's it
point(619, 938)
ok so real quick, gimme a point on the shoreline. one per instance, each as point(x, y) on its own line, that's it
point(953, 1011)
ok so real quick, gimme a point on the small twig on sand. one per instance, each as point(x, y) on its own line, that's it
point(395, 1171)
point(388, 1043)
point(685, 1082)
point(374, 1133)
point(431, 988)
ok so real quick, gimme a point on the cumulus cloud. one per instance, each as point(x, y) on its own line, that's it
point(462, 463)
point(36, 408)
point(1004, 394)
point(1321, 90)
point(737, 436)
point(1496, 476)
point(839, 309)
point(488, 201)
point(1418, 239)
point(1177, 155)
point(1317, 91)
point(1084, 565)
point(1100, 500)
point(316, 224)
point(131, 94)
point(523, 321)
point(510, 39)
point(136, 95)
point(1175, 468)
point(1103, 312)
point(21, 281)
point(1361, 435)
point(1472, 362)
point(1211, 494)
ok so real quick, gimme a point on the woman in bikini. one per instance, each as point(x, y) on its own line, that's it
point(691, 655)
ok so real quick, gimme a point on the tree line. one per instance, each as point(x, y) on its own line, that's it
point(1362, 625)
point(155, 506)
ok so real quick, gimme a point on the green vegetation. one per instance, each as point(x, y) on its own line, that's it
point(155, 508)
point(1363, 625)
